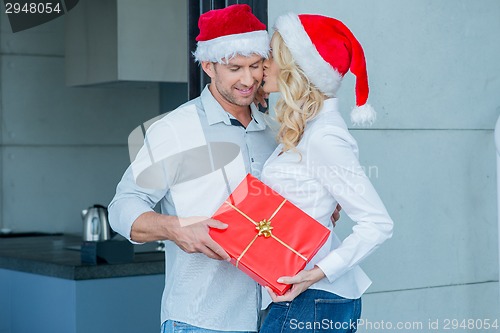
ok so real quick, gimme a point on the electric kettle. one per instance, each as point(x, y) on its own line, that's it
point(96, 224)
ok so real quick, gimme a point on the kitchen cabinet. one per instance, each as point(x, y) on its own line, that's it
point(44, 287)
point(112, 41)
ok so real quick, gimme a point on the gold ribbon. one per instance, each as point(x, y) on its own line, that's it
point(265, 229)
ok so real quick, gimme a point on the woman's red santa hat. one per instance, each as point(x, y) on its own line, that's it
point(326, 49)
point(228, 32)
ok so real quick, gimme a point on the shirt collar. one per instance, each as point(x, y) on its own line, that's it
point(330, 104)
point(214, 111)
point(216, 114)
point(258, 122)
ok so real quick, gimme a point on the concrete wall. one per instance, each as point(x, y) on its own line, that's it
point(61, 149)
point(434, 76)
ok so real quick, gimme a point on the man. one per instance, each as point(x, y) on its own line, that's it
point(191, 160)
point(200, 291)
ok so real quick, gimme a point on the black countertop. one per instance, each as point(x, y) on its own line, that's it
point(50, 256)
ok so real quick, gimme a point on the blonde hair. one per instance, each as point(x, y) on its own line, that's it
point(300, 100)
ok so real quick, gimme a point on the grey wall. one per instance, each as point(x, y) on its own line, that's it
point(61, 149)
point(435, 81)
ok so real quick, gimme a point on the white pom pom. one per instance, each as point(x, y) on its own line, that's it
point(363, 115)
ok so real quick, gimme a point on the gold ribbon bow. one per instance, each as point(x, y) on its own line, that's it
point(265, 229)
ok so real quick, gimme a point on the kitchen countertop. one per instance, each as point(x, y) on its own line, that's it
point(50, 256)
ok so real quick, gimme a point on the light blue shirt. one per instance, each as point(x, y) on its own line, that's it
point(192, 158)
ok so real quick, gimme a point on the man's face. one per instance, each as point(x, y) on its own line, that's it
point(237, 81)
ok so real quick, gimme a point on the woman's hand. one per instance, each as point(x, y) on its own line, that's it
point(336, 215)
point(260, 98)
point(300, 282)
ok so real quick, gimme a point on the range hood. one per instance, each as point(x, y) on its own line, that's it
point(111, 41)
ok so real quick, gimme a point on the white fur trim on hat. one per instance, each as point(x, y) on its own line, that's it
point(326, 78)
point(227, 47)
point(363, 115)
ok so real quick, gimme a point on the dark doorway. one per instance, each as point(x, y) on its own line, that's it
point(197, 79)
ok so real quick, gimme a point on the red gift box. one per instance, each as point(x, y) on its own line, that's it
point(268, 236)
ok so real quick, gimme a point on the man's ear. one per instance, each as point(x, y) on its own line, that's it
point(209, 68)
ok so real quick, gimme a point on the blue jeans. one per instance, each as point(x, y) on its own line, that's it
point(171, 326)
point(313, 311)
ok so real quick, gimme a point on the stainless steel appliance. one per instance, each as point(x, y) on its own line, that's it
point(96, 224)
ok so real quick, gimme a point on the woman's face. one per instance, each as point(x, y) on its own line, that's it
point(271, 72)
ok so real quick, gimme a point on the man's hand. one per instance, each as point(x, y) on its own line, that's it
point(336, 215)
point(194, 238)
point(190, 234)
point(300, 282)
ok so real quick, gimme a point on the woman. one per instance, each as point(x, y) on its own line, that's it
point(316, 166)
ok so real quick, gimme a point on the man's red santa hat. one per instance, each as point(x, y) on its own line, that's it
point(326, 49)
point(228, 32)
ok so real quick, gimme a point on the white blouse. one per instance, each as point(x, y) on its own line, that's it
point(327, 172)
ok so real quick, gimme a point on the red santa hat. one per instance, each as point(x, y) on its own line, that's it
point(326, 49)
point(231, 31)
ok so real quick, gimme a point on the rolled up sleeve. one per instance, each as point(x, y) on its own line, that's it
point(144, 183)
point(129, 202)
